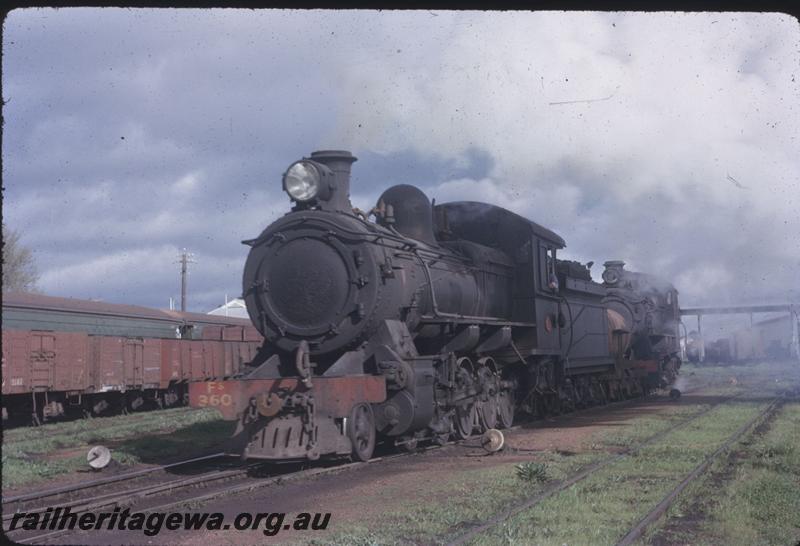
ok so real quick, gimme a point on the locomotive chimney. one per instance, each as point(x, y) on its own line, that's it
point(339, 161)
point(613, 271)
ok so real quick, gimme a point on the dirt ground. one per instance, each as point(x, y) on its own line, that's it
point(357, 496)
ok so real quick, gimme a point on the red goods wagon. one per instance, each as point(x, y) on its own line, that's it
point(71, 368)
point(212, 332)
point(45, 361)
point(192, 359)
point(16, 362)
point(141, 363)
point(240, 354)
point(44, 367)
point(46, 373)
point(251, 334)
point(220, 359)
point(60, 354)
point(233, 333)
point(108, 358)
point(172, 370)
point(213, 359)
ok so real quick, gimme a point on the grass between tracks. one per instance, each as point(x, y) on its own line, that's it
point(750, 497)
point(458, 497)
point(604, 506)
point(33, 455)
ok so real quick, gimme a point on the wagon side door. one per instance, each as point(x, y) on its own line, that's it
point(133, 357)
point(109, 362)
point(151, 363)
point(71, 366)
point(42, 360)
point(170, 362)
point(16, 361)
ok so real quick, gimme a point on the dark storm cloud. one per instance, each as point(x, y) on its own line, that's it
point(131, 134)
point(136, 133)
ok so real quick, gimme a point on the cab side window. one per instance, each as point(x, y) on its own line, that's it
point(547, 268)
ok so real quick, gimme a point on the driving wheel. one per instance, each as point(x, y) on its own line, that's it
point(488, 413)
point(465, 420)
point(361, 431)
point(505, 408)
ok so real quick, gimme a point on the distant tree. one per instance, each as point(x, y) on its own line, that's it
point(19, 269)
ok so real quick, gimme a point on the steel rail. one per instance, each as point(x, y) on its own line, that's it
point(125, 498)
point(660, 509)
point(120, 497)
point(95, 483)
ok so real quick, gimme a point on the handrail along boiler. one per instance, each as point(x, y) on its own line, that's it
point(427, 323)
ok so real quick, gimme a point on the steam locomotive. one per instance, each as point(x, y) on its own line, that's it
point(428, 323)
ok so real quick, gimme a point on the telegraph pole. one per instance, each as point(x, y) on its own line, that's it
point(185, 258)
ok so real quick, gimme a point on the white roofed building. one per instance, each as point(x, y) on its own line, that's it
point(233, 308)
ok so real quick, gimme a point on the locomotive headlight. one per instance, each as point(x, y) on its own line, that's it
point(302, 181)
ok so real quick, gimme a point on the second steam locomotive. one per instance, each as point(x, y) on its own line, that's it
point(429, 322)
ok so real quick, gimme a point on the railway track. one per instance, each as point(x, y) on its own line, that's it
point(125, 498)
point(97, 495)
point(243, 481)
point(638, 530)
point(25, 502)
point(579, 476)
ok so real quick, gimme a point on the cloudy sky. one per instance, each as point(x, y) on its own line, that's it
point(667, 140)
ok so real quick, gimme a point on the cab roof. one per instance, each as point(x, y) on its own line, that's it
point(490, 225)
